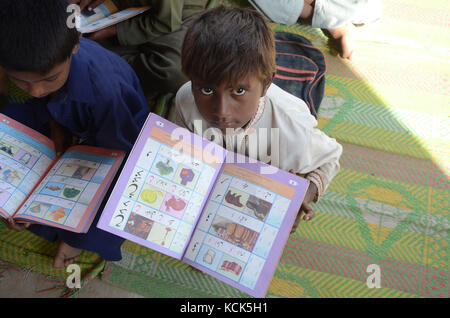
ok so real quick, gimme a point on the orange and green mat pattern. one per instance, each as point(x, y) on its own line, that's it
point(389, 204)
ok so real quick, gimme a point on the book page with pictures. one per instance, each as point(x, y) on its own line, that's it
point(245, 225)
point(101, 11)
point(106, 14)
point(71, 192)
point(162, 189)
point(25, 156)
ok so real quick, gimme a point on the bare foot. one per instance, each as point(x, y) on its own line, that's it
point(346, 44)
point(65, 255)
point(343, 39)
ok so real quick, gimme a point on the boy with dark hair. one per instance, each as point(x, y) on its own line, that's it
point(80, 91)
point(229, 56)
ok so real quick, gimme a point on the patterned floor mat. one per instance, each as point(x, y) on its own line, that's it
point(386, 212)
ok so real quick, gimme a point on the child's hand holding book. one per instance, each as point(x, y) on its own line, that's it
point(13, 225)
point(305, 208)
point(61, 136)
point(92, 3)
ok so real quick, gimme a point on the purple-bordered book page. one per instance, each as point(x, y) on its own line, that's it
point(246, 223)
point(163, 187)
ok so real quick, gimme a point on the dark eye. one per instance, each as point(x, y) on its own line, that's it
point(206, 91)
point(239, 91)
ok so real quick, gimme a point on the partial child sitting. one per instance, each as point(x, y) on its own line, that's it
point(229, 57)
point(333, 16)
point(150, 42)
point(79, 89)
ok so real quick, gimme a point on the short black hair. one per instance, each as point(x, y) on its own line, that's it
point(34, 35)
point(228, 44)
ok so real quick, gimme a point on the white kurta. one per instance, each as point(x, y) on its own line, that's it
point(283, 130)
point(328, 14)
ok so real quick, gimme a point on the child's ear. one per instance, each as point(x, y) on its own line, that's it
point(267, 84)
point(75, 48)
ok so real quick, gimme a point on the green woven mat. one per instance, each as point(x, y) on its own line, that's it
point(389, 204)
point(31, 252)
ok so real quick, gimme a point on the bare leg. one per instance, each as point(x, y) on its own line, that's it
point(65, 255)
point(308, 10)
point(340, 35)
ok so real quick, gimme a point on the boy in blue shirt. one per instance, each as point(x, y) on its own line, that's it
point(80, 91)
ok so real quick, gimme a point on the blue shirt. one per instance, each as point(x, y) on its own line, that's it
point(102, 101)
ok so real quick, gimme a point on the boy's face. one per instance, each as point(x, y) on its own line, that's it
point(225, 106)
point(42, 85)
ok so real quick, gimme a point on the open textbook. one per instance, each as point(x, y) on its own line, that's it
point(105, 15)
point(191, 199)
point(37, 186)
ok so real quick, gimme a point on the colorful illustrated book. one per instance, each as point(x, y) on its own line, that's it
point(105, 15)
point(223, 213)
point(37, 186)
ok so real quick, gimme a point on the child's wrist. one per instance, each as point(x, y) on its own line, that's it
point(339, 32)
point(316, 179)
